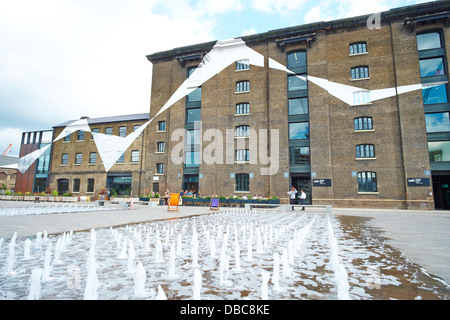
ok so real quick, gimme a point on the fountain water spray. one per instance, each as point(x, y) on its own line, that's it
point(35, 284)
point(197, 287)
point(139, 282)
point(264, 285)
point(26, 249)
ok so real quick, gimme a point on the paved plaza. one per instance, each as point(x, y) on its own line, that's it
point(422, 236)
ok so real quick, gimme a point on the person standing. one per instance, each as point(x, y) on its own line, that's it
point(293, 196)
point(302, 198)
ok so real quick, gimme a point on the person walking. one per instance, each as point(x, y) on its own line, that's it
point(293, 196)
point(302, 198)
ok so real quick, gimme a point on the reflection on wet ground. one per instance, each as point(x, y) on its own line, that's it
point(231, 249)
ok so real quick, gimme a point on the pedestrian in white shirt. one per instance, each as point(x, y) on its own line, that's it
point(293, 196)
point(302, 198)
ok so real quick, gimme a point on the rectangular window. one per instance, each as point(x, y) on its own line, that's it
point(65, 158)
point(191, 159)
point(195, 95)
point(80, 136)
point(160, 147)
point(242, 182)
point(93, 157)
point(90, 185)
point(96, 130)
point(160, 168)
point(121, 158)
point(367, 182)
point(432, 67)
point(193, 115)
point(297, 82)
point(243, 108)
point(298, 131)
point(242, 131)
point(358, 48)
point(435, 94)
point(76, 185)
point(243, 86)
point(361, 97)
point(437, 122)
point(365, 151)
point(161, 126)
point(439, 151)
point(192, 137)
point(299, 156)
point(242, 155)
point(78, 158)
point(122, 132)
point(66, 138)
point(360, 73)
point(135, 156)
point(431, 40)
point(242, 65)
point(298, 106)
point(108, 131)
point(296, 59)
point(363, 124)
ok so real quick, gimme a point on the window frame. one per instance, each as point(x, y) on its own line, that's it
point(365, 151)
point(356, 72)
point(355, 45)
point(242, 131)
point(242, 182)
point(358, 124)
point(364, 183)
point(242, 86)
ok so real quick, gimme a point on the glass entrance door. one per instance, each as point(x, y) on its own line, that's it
point(302, 182)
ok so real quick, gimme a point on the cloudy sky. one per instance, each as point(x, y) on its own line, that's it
point(63, 59)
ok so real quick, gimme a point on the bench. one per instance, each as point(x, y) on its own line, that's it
point(249, 206)
point(288, 207)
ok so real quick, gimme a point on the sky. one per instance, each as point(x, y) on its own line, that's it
point(64, 59)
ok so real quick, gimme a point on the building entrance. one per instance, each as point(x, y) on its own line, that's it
point(441, 191)
point(190, 183)
point(302, 182)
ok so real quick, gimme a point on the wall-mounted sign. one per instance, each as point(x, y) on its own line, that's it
point(419, 182)
point(322, 182)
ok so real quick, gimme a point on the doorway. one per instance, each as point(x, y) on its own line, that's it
point(302, 182)
point(190, 183)
point(63, 186)
point(441, 191)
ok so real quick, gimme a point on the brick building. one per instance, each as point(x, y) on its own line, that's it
point(388, 152)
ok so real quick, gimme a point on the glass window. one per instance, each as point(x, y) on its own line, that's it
point(161, 147)
point(298, 130)
point(122, 131)
point(66, 138)
point(160, 168)
point(192, 137)
point(76, 185)
point(363, 124)
point(121, 158)
point(161, 126)
point(297, 82)
point(365, 151)
point(93, 157)
point(108, 131)
point(195, 95)
point(193, 115)
point(135, 156)
point(439, 151)
point(80, 136)
point(192, 159)
point(78, 158)
point(243, 155)
point(430, 40)
point(96, 130)
point(242, 65)
point(298, 106)
point(432, 67)
point(361, 97)
point(242, 131)
point(299, 156)
point(367, 182)
point(242, 108)
point(436, 94)
point(358, 48)
point(90, 185)
point(65, 158)
point(360, 73)
point(437, 122)
point(242, 86)
point(296, 59)
point(242, 182)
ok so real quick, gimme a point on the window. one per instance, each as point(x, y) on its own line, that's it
point(360, 73)
point(135, 156)
point(242, 131)
point(66, 138)
point(364, 123)
point(135, 127)
point(242, 65)
point(365, 151)
point(437, 122)
point(191, 159)
point(195, 95)
point(296, 59)
point(193, 115)
point(108, 131)
point(298, 106)
point(243, 86)
point(121, 158)
point(160, 147)
point(122, 132)
point(78, 158)
point(242, 108)
point(367, 182)
point(80, 136)
point(361, 97)
point(90, 185)
point(242, 182)
point(358, 48)
point(65, 158)
point(76, 185)
point(431, 40)
point(96, 130)
point(435, 94)
point(192, 137)
point(432, 67)
point(299, 156)
point(160, 168)
point(161, 126)
point(297, 82)
point(439, 151)
point(93, 157)
point(298, 131)
point(242, 155)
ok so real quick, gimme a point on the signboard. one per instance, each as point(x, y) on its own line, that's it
point(419, 182)
point(322, 182)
